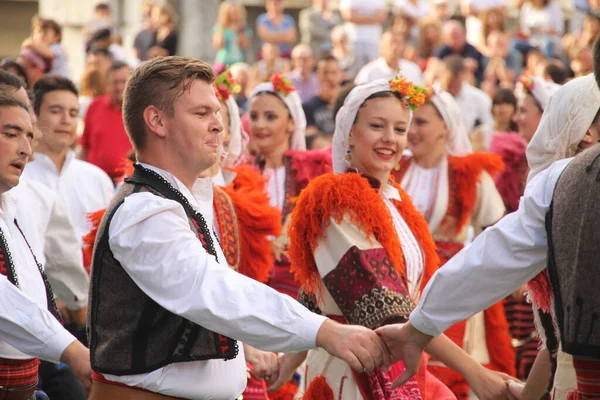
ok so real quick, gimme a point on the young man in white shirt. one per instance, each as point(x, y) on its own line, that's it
point(83, 187)
point(155, 254)
point(475, 105)
point(23, 322)
point(390, 61)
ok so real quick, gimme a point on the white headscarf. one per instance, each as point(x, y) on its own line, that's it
point(231, 157)
point(345, 119)
point(565, 121)
point(294, 105)
point(542, 90)
point(458, 143)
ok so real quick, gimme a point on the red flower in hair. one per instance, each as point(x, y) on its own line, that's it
point(225, 85)
point(282, 85)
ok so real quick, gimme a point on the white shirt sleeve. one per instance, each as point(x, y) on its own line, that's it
point(64, 262)
point(151, 238)
point(28, 327)
point(498, 261)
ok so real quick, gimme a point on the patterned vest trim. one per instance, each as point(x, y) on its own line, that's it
point(143, 336)
point(7, 268)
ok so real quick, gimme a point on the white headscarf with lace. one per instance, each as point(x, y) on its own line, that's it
point(458, 143)
point(238, 139)
point(541, 90)
point(346, 116)
point(566, 119)
point(294, 106)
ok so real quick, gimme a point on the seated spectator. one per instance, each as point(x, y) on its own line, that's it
point(542, 25)
point(455, 42)
point(45, 40)
point(230, 35)
point(583, 63)
point(573, 43)
point(102, 20)
point(443, 10)
point(271, 62)
point(93, 84)
point(364, 21)
point(241, 75)
point(413, 9)
point(481, 18)
point(474, 104)
point(534, 58)
point(407, 27)
point(166, 37)
point(104, 142)
point(302, 76)
point(316, 23)
point(386, 66)
point(34, 64)
point(14, 67)
point(100, 59)
point(553, 71)
point(276, 27)
point(504, 106)
point(343, 52)
point(145, 38)
point(430, 38)
point(104, 39)
point(502, 66)
point(318, 110)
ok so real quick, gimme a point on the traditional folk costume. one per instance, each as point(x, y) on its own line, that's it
point(362, 256)
point(556, 211)
point(18, 263)
point(511, 185)
point(563, 125)
point(284, 184)
point(457, 194)
point(154, 224)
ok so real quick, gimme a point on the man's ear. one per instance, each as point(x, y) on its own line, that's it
point(154, 119)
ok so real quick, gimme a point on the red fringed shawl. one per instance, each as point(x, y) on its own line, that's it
point(256, 220)
point(337, 195)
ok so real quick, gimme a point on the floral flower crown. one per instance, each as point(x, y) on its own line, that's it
point(414, 95)
point(282, 85)
point(225, 85)
point(526, 83)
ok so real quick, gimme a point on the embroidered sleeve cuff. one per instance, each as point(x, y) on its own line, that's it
point(56, 345)
point(423, 324)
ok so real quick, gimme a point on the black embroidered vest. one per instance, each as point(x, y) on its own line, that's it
point(573, 228)
point(7, 268)
point(128, 332)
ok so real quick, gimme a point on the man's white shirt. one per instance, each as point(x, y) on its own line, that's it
point(498, 261)
point(83, 187)
point(149, 235)
point(379, 69)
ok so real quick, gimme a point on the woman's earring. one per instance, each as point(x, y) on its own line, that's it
point(347, 157)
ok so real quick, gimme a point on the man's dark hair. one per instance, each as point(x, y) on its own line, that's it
point(116, 65)
point(102, 7)
point(455, 64)
point(102, 34)
point(10, 79)
point(47, 84)
point(327, 58)
point(597, 60)
point(556, 70)
point(52, 25)
point(9, 64)
point(99, 50)
point(8, 99)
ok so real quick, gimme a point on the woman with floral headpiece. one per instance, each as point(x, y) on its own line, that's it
point(277, 131)
point(454, 190)
point(363, 253)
